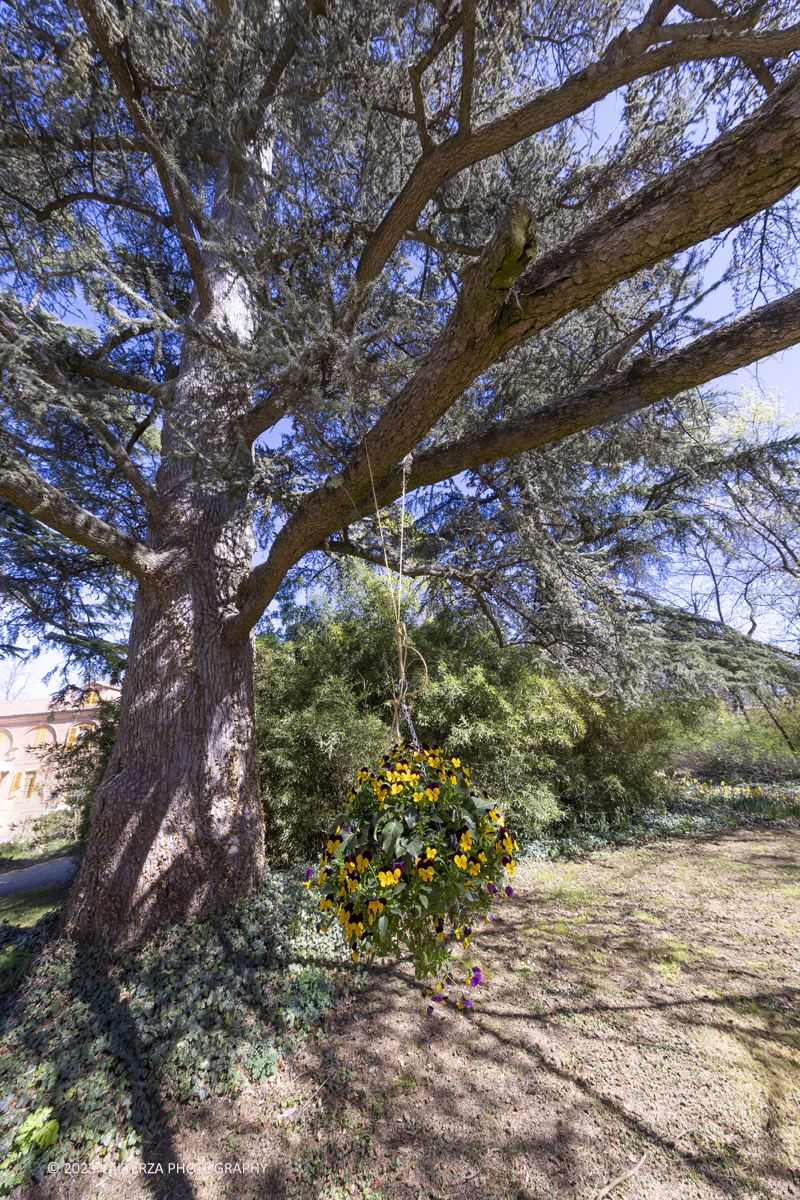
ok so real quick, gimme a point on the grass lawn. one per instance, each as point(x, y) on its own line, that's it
point(638, 1023)
point(16, 855)
point(27, 907)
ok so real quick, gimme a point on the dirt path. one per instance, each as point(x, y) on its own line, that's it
point(46, 874)
point(640, 1017)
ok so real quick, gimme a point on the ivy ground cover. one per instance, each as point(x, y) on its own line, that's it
point(639, 1018)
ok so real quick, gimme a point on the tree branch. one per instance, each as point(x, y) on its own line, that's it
point(44, 214)
point(754, 63)
point(311, 9)
point(22, 140)
point(170, 185)
point(21, 485)
point(742, 172)
point(110, 443)
point(767, 330)
point(107, 371)
point(574, 96)
point(417, 70)
point(467, 68)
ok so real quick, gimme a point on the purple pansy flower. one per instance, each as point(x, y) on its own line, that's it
point(429, 1010)
point(464, 1003)
point(491, 888)
point(309, 873)
point(509, 891)
point(397, 863)
point(449, 979)
point(475, 977)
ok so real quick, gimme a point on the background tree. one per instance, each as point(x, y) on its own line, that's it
point(326, 253)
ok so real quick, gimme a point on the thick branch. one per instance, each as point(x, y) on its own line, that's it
point(263, 416)
point(21, 485)
point(767, 330)
point(754, 63)
point(743, 172)
point(467, 68)
point(574, 96)
point(109, 372)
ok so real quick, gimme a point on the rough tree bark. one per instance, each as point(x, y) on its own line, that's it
point(180, 802)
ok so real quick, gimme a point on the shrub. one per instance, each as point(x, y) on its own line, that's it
point(79, 769)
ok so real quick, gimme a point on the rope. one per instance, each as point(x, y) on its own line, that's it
point(402, 693)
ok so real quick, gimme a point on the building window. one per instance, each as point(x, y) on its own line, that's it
point(15, 782)
point(76, 734)
point(90, 699)
point(27, 787)
point(40, 736)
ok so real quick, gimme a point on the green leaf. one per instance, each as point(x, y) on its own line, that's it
point(46, 1136)
point(414, 847)
point(391, 832)
point(383, 924)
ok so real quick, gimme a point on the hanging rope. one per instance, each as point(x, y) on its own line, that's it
point(402, 694)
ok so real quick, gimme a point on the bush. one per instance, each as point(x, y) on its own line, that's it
point(312, 738)
point(542, 744)
point(79, 769)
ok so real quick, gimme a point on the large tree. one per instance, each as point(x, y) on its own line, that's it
point(321, 254)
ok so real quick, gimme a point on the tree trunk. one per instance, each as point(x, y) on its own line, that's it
point(177, 827)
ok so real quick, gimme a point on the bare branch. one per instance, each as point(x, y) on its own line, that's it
point(263, 416)
point(417, 70)
point(427, 239)
point(754, 63)
point(575, 95)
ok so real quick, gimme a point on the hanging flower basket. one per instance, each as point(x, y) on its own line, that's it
point(418, 854)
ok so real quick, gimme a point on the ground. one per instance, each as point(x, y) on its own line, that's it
point(638, 1023)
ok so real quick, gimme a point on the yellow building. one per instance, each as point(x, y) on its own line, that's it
point(25, 727)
